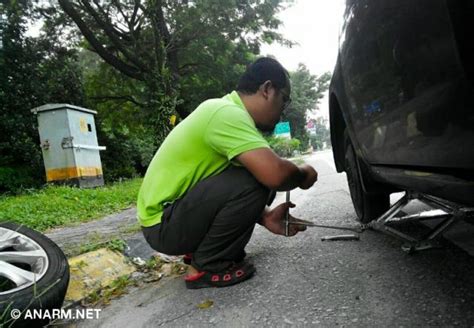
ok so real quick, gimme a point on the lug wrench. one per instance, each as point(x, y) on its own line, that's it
point(312, 224)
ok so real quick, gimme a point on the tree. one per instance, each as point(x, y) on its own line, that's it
point(142, 60)
point(306, 92)
point(33, 71)
point(165, 45)
point(320, 135)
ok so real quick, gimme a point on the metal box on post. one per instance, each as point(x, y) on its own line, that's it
point(69, 145)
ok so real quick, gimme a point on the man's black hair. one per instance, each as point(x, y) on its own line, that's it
point(263, 69)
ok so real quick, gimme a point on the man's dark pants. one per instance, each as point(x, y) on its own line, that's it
point(214, 220)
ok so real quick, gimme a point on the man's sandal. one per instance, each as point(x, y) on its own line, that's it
point(187, 258)
point(234, 275)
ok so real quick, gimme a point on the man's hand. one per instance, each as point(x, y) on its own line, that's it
point(274, 220)
point(311, 176)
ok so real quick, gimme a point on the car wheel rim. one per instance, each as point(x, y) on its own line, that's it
point(23, 262)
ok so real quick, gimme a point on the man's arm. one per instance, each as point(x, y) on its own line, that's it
point(277, 173)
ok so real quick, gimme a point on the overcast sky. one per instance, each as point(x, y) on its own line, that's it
point(314, 25)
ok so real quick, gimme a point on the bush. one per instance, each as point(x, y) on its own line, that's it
point(316, 142)
point(304, 142)
point(284, 147)
point(127, 154)
point(14, 180)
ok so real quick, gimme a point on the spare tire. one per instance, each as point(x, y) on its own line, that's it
point(34, 274)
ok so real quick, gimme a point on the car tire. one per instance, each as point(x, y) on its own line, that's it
point(45, 262)
point(368, 206)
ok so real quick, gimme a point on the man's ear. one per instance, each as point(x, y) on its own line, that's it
point(265, 88)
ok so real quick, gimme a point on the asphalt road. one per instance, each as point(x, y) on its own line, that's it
point(303, 281)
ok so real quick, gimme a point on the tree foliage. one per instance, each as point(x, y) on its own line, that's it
point(121, 122)
point(284, 147)
point(33, 71)
point(134, 61)
point(145, 60)
point(176, 49)
point(306, 92)
point(320, 136)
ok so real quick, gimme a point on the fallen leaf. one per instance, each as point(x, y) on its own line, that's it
point(205, 305)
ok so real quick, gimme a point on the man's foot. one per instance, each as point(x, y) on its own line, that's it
point(188, 257)
point(235, 274)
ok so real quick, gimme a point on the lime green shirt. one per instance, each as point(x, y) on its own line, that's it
point(202, 145)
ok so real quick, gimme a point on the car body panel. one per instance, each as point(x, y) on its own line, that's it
point(405, 89)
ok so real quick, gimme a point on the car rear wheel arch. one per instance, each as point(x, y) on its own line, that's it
point(368, 205)
point(338, 128)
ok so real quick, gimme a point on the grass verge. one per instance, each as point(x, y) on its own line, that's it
point(60, 205)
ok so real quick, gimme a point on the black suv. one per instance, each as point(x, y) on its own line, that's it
point(402, 101)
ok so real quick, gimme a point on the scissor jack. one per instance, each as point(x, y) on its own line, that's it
point(447, 212)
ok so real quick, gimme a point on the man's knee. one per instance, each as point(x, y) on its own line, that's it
point(250, 184)
point(242, 176)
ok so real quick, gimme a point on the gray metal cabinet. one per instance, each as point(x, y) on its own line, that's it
point(69, 145)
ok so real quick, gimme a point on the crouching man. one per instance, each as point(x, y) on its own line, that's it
point(212, 178)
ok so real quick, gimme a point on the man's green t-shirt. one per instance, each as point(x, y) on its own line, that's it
point(200, 146)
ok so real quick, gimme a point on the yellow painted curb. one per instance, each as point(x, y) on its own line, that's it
point(94, 270)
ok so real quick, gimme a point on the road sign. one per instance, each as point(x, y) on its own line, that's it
point(282, 129)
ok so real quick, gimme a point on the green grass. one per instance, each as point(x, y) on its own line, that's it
point(117, 288)
point(60, 205)
point(115, 244)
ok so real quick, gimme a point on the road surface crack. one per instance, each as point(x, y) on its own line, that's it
point(175, 318)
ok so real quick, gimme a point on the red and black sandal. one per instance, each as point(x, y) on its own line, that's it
point(234, 275)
